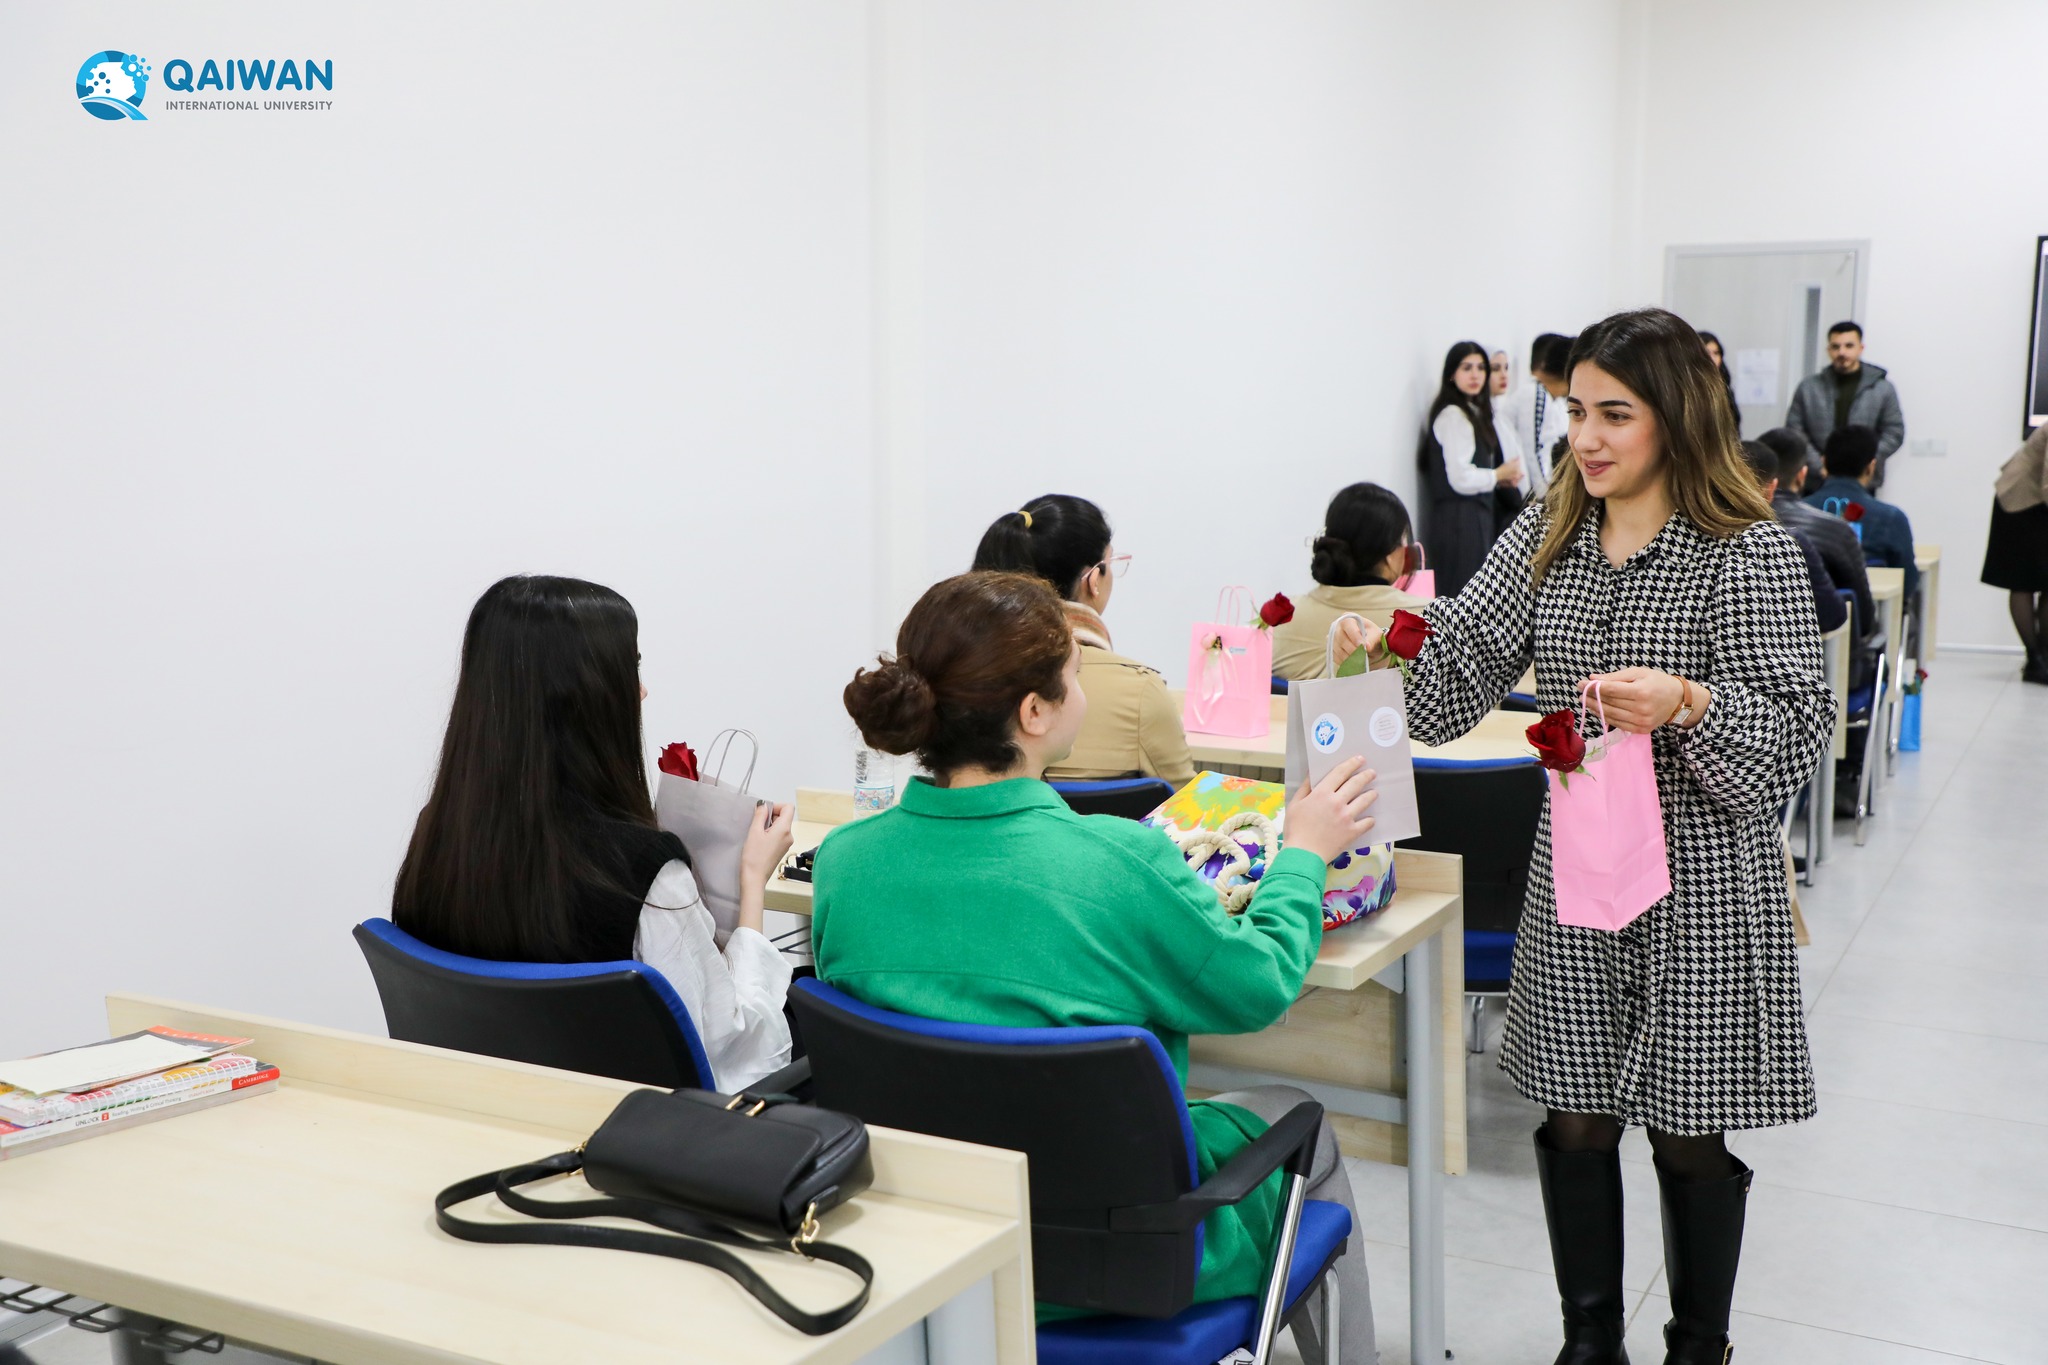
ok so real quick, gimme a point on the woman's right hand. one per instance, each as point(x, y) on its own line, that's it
point(1354, 634)
point(767, 844)
point(1330, 817)
point(1511, 472)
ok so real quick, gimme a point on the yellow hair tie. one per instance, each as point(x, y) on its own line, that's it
point(1027, 518)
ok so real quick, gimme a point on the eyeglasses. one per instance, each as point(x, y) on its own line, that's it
point(1116, 566)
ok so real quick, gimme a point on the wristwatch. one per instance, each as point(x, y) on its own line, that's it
point(1684, 711)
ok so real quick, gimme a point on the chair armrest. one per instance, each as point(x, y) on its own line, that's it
point(793, 1079)
point(1289, 1143)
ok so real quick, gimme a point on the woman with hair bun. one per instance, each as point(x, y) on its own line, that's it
point(1073, 920)
point(1364, 547)
point(1133, 727)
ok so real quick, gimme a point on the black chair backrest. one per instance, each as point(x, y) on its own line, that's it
point(1098, 1111)
point(1133, 798)
point(1487, 814)
point(602, 1019)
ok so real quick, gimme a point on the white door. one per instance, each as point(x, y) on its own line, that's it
point(1771, 306)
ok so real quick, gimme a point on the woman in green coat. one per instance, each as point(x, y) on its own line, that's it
point(983, 899)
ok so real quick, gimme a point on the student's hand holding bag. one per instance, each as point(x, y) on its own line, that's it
point(767, 843)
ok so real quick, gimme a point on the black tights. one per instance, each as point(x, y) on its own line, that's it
point(1704, 1157)
point(2029, 614)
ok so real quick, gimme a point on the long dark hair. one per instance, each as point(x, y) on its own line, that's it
point(543, 738)
point(967, 655)
point(1478, 409)
point(1727, 380)
point(1661, 360)
point(1364, 524)
point(1058, 537)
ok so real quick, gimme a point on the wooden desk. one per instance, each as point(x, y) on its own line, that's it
point(1367, 1038)
point(302, 1220)
point(1927, 559)
point(1888, 589)
point(1499, 734)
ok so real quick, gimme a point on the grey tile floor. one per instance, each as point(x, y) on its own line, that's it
point(1908, 1222)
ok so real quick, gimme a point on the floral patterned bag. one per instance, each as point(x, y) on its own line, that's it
point(1228, 828)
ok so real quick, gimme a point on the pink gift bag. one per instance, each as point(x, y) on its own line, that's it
point(1230, 672)
point(1607, 853)
point(1419, 581)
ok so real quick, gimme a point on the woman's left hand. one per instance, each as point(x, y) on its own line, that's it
point(1637, 700)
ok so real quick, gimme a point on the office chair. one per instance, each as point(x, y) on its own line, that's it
point(1116, 1204)
point(1133, 798)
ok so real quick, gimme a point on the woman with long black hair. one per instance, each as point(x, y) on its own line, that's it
point(1653, 567)
point(1471, 466)
point(538, 843)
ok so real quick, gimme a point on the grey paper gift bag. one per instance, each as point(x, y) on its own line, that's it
point(712, 816)
point(1330, 719)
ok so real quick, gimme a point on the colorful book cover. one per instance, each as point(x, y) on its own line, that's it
point(26, 1110)
point(15, 1140)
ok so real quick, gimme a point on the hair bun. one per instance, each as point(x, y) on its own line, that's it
point(1333, 563)
point(894, 706)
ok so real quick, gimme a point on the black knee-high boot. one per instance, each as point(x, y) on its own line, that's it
point(1582, 1204)
point(1702, 1244)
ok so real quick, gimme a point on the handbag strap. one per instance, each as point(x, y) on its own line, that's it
point(696, 1242)
point(1330, 642)
point(721, 745)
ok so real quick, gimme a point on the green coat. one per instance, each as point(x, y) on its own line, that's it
point(999, 905)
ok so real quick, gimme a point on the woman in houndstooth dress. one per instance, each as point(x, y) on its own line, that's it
point(1655, 566)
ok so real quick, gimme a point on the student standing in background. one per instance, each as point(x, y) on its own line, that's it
point(1720, 360)
point(2016, 555)
point(1536, 410)
point(1133, 727)
point(1471, 464)
point(1500, 374)
point(1849, 392)
point(1363, 548)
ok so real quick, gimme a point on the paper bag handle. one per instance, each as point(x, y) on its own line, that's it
point(1234, 599)
point(721, 745)
point(1330, 642)
point(1600, 707)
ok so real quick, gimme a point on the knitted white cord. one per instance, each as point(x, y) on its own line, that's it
point(1198, 846)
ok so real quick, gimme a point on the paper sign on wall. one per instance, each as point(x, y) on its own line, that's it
point(1332, 719)
point(1756, 378)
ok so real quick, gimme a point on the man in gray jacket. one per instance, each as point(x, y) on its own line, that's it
point(1848, 393)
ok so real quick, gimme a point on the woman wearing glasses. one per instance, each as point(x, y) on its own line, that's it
point(1133, 727)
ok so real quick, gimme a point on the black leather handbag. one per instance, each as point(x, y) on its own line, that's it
point(753, 1171)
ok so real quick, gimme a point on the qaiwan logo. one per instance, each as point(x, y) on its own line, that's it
point(111, 85)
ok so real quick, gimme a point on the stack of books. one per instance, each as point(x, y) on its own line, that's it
point(81, 1092)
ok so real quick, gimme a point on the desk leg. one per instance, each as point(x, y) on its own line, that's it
point(1425, 1051)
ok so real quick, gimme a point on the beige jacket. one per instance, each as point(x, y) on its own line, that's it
point(1298, 645)
point(2023, 483)
point(1132, 727)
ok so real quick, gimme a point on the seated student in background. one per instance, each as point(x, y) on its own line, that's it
point(1851, 463)
point(538, 843)
point(1828, 609)
point(1364, 547)
point(1839, 549)
point(1133, 727)
point(1075, 920)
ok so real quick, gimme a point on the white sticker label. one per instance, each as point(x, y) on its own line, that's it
point(1327, 733)
point(1385, 727)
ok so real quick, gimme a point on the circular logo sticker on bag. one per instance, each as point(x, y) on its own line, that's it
point(1327, 733)
point(1385, 727)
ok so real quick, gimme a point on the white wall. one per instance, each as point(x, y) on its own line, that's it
point(576, 289)
point(1912, 125)
point(1201, 262)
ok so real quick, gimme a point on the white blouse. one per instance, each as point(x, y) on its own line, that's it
point(734, 995)
point(1453, 431)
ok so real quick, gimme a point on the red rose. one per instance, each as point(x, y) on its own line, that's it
point(1853, 512)
point(678, 760)
point(1277, 612)
point(1406, 634)
point(1558, 742)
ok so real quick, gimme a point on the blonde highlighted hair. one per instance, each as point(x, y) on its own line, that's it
point(1658, 357)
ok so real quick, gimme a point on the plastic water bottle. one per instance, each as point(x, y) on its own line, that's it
point(874, 780)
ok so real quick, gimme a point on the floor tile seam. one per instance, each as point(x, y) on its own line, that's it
point(1913, 838)
point(1928, 1108)
point(1760, 1179)
point(1934, 1028)
point(1883, 956)
point(1865, 1336)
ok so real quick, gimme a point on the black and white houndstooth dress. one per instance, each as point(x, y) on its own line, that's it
point(1689, 1019)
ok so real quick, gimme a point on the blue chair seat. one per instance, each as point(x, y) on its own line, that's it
point(1860, 699)
point(1489, 960)
point(1133, 798)
point(1208, 1331)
